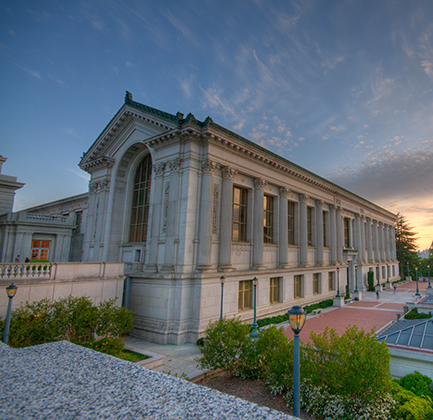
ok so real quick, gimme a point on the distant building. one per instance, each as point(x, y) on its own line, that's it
point(183, 202)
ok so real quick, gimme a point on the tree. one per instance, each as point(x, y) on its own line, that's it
point(405, 239)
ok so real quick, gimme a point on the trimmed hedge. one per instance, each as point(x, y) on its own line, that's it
point(413, 314)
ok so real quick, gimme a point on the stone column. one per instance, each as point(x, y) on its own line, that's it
point(170, 224)
point(333, 234)
point(358, 242)
point(259, 185)
point(351, 236)
point(303, 233)
point(376, 242)
point(381, 241)
point(340, 236)
point(319, 233)
point(394, 245)
point(362, 257)
point(369, 240)
point(284, 239)
point(155, 226)
point(205, 216)
point(226, 219)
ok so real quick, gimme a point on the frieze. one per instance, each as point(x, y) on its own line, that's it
point(159, 168)
point(100, 185)
point(241, 247)
point(175, 165)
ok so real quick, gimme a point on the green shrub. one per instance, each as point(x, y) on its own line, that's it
point(413, 314)
point(107, 345)
point(224, 343)
point(345, 364)
point(418, 384)
point(75, 319)
point(408, 406)
point(370, 280)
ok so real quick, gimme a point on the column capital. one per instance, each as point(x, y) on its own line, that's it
point(319, 204)
point(303, 198)
point(285, 192)
point(207, 166)
point(260, 183)
point(228, 173)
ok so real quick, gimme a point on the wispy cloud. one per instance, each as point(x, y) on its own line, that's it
point(80, 174)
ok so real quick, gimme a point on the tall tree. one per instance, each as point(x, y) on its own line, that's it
point(405, 239)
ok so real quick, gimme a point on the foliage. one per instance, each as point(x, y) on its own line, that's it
point(409, 406)
point(224, 344)
point(319, 401)
point(256, 355)
point(413, 314)
point(405, 239)
point(75, 319)
point(418, 384)
point(370, 281)
point(108, 345)
point(344, 364)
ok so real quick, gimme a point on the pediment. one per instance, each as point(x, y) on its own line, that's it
point(129, 124)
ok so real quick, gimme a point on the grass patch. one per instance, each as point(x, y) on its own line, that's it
point(131, 356)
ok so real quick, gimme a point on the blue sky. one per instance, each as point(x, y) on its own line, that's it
point(342, 88)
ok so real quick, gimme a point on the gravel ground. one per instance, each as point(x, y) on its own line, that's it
point(255, 391)
point(64, 381)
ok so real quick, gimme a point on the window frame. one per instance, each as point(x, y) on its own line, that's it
point(291, 223)
point(242, 220)
point(310, 226)
point(268, 219)
point(274, 290)
point(297, 284)
point(316, 283)
point(245, 295)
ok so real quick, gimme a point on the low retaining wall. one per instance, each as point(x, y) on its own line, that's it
point(99, 281)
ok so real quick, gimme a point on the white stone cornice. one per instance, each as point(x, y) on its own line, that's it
point(101, 162)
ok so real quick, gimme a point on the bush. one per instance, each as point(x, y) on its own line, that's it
point(413, 314)
point(418, 384)
point(75, 319)
point(224, 343)
point(370, 279)
point(107, 345)
point(408, 406)
point(352, 365)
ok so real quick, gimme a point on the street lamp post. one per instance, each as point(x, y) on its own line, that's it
point(297, 318)
point(387, 273)
point(408, 271)
point(417, 290)
point(10, 291)
point(338, 282)
point(222, 280)
point(356, 278)
point(254, 334)
point(429, 285)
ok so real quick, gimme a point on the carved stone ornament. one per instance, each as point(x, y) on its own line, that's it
point(228, 173)
point(93, 186)
point(208, 166)
point(175, 164)
point(104, 185)
point(214, 209)
point(121, 174)
point(165, 208)
point(303, 198)
point(159, 168)
point(319, 204)
point(285, 192)
point(259, 183)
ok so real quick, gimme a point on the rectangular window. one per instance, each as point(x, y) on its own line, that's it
point(40, 250)
point(274, 292)
point(383, 272)
point(268, 219)
point(310, 226)
point(325, 230)
point(245, 295)
point(240, 196)
point(297, 287)
point(316, 284)
point(346, 233)
point(331, 281)
point(291, 222)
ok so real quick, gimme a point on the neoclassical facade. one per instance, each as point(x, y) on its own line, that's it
point(184, 202)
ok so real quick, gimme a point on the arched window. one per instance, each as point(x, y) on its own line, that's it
point(140, 201)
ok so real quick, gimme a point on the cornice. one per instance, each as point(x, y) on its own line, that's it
point(102, 162)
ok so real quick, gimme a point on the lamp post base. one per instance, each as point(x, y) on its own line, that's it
point(338, 302)
point(357, 295)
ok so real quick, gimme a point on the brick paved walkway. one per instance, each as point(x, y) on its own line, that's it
point(367, 314)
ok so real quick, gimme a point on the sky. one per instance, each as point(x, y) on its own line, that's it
point(342, 88)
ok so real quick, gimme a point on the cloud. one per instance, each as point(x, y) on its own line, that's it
point(129, 64)
point(32, 73)
point(239, 125)
point(80, 174)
